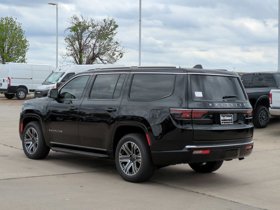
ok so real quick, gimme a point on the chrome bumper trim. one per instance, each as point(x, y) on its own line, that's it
point(217, 145)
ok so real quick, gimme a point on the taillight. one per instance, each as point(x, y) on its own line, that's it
point(270, 97)
point(9, 81)
point(202, 152)
point(249, 113)
point(187, 114)
point(181, 114)
point(21, 127)
point(148, 139)
point(198, 114)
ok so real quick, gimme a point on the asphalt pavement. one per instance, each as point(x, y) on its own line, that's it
point(64, 181)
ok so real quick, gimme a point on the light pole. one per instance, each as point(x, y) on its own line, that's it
point(56, 5)
point(278, 35)
point(140, 25)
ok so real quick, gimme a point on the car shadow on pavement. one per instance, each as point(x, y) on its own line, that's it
point(181, 174)
point(81, 162)
point(184, 176)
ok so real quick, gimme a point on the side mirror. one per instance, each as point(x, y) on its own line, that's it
point(53, 93)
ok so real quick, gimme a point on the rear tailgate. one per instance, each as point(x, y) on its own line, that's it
point(275, 98)
point(223, 124)
point(227, 111)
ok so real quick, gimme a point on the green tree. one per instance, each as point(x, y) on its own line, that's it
point(13, 44)
point(91, 41)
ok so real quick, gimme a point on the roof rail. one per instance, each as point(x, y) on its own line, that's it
point(134, 67)
point(154, 67)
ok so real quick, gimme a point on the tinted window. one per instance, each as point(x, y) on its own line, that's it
point(215, 88)
point(149, 87)
point(247, 80)
point(107, 86)
point(74, 89)
point(277, 78)
point(67, 77)
point(263, 80)
point(119, 85)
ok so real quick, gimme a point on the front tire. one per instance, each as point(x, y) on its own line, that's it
point(206, 167)
point(33, 142)
point(261, 117)
point(133, 159)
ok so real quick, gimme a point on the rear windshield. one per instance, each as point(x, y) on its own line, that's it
point(53, 78)
point(277, 78)
point(216, 88)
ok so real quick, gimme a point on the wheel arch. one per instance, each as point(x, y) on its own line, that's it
point(127, 128)
point(27, 119)
point(262, 101)
point(22, 86)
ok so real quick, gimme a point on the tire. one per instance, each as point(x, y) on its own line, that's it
point(33, 142)
point(21, 93)
point(206, 167)
point(133, 158)
point(261, 117)
point(9, 95)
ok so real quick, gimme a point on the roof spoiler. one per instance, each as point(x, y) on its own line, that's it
point(198, 66)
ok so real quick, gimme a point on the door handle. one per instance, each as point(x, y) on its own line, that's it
point(111, 109)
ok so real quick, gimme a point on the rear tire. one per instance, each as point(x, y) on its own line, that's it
point(33, 142)
point(133, 158)
point(206, 167)
point(261, 117)
point(21, 93)
point(9, 95)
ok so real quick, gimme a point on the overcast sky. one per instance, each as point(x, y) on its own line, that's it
point(238, 35)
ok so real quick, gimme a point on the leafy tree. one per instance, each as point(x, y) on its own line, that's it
point(13, 44)
point(91, 41)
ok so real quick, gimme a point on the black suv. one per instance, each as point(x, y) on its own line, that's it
point(143, 118)
point(258, 86)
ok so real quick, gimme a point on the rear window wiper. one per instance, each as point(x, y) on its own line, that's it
point(226, 97)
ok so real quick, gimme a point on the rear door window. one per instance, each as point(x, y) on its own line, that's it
point(216, 88)
point(107, 86)
point(150, 87)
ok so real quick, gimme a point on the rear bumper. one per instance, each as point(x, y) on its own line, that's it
point(274, 111)
point(213, 152)
point(10, 89)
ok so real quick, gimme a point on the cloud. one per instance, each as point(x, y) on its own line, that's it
point(219, 33)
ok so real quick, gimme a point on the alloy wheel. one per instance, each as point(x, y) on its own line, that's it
point(130, 158)
point(31, 139)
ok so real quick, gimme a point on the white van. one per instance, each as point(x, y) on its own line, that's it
point(62, 74)
point(18, 79)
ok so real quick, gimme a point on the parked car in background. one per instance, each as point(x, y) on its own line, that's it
point(274, 98)
point(258, 86)
point(61, 75)
point(18, 79)
point(143, 118)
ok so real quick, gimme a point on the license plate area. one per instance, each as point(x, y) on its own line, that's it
point(226, 119)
